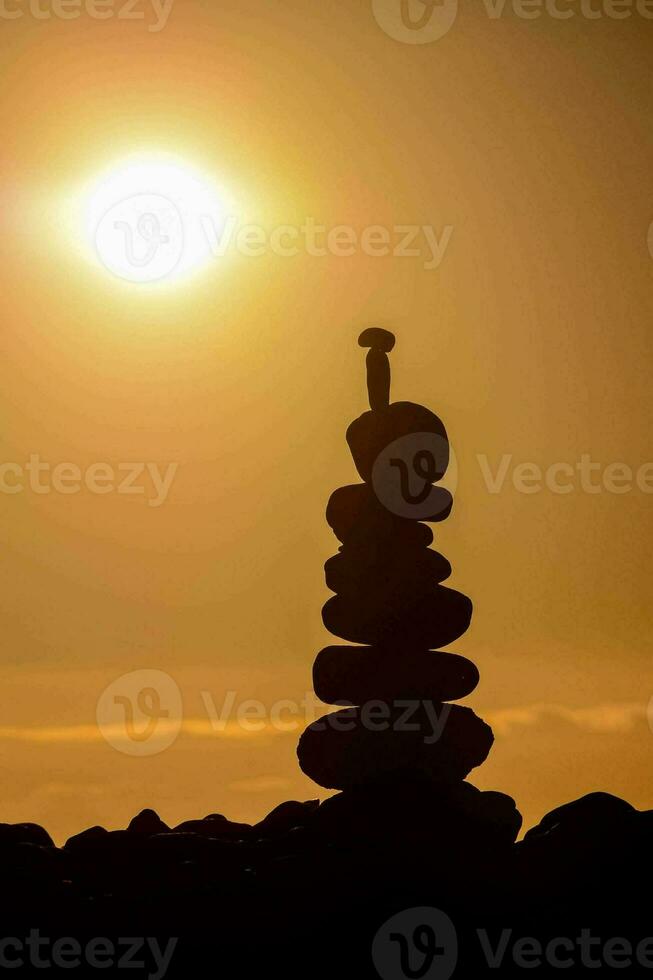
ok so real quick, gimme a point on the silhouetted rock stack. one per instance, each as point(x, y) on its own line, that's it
point(389, 597)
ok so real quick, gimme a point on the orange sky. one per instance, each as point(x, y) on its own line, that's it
point(531, 141)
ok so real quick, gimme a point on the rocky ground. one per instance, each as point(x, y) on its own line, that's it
point(309, 891)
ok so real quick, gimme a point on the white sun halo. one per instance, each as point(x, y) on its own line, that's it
point(151, 220)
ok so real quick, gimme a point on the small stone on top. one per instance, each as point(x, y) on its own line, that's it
point(377, 339)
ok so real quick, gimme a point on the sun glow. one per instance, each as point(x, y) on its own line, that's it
point(151, 220)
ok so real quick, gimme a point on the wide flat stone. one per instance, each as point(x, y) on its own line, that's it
point(354, 675)
point(374, 539)
point(389, 573)
point(428, 621)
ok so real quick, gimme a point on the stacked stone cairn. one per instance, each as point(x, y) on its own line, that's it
point(398, 727)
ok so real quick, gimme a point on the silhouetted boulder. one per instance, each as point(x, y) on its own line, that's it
point(85, 839)
point(286, 817)
point(590, 846)
point(420, 816)
point(24, 833)
point(594, 815)
point(216, 826)
point(499, 811)
point(31, 869)
point(147, 822)
point(587, 833)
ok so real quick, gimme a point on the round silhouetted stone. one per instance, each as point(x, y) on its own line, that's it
point(590, 844)
point(87, 839)
point(370, 434)
point(147, 822)
point(357, 573)
point(24, 833)
point(354, 675)
point(596, 813)
point(356, 746)
point(432, 621)
point(286, 817)
point(500, 811)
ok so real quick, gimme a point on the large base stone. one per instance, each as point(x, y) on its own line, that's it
point(357, 746)
point(416, 813)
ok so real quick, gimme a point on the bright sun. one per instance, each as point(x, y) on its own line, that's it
point(151, 220)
